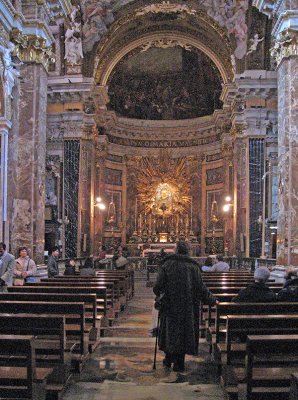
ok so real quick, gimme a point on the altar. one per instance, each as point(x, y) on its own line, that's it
point(147, 249)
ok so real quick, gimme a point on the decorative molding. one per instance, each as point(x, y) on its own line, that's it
point(285, 46)
point(163, 143)
point(32, 48)
point(165, 44)
point(166, 8)
point(213, 157)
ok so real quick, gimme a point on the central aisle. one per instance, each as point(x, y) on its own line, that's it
point(121, 368)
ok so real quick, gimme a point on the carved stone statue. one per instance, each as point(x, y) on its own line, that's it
point(254, 43)
point(9, 72)
point(73, 40)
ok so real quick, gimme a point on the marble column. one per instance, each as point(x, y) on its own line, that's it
point(27, 153)
point(287, 227)
point(4, 128)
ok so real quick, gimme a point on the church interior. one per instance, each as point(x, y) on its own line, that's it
point(141, 124)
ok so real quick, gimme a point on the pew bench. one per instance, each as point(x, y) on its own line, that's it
point(76, 334)
point(50, 345)
point(233, 350)
point(294, 387)
point(91, 317)
point(103, 305)
point(270, 361)
point(19, 377)
point(216, 332)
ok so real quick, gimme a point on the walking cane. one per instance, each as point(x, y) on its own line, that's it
point(157, 334)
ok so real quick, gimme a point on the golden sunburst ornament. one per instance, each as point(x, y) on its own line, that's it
point(163, 185)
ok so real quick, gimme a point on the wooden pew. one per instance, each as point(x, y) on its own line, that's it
point(294, 387)
point(270, 380)
point(232, 352)
point(102, 305)
point(74, 313)
point(19, 376)
point(216, 334)
point(112, 285)
point(50, 345)
point(89, 300)
point(99, 289)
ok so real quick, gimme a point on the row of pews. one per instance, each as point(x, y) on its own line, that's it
point(48, 330)
point(254, 345)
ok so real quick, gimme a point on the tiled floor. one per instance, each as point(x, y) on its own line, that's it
point(121, 368)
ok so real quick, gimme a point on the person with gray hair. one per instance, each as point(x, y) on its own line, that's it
point(179, 284)
point(257, 292)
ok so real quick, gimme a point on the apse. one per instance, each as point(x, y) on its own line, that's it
point(165, 84)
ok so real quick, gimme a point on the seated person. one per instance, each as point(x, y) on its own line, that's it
point(70, 267)
point(102, 253)
point(121, 262)
point(87, 269)
point(257, 292)
point(290, 289)
point(208, 264)
point(220, 265)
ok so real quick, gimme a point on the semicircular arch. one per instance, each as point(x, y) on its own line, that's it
point(105, 69)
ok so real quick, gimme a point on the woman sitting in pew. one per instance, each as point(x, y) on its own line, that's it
point(87, 269)
point(290, 290)
point(70, 267)
point(257, 292)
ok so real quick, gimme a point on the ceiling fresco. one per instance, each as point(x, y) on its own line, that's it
point(165, 84)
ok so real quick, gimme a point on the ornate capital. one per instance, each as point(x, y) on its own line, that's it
point(285, 46)
point(32, 48)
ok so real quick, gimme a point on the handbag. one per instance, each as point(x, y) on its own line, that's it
point(18, 281)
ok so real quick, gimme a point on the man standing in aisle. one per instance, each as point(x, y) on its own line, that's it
point(7, 266)
point(53, 269)
point(180, 284)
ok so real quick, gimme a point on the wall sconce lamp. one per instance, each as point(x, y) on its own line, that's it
point(228, 204)
point(99, 203)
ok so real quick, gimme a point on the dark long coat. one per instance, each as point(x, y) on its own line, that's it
point(255, 293)
point(180, 279)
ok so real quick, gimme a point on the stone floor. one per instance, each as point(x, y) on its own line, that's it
point(121, 368)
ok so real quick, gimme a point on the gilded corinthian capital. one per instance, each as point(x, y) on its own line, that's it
point(32, 48)
point(286, 45)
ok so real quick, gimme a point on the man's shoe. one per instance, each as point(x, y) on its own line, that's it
point(166, 363)
point(178, 368)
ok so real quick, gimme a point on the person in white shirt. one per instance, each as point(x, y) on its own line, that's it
point(208, 265)
point(220, 265)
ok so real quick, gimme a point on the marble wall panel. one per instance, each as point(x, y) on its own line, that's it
point(256, 172)
point(287, 243)
point(113, 177)
point(215, 176)
point(71, 170)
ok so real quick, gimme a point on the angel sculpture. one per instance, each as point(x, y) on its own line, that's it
point(254, 43)
point(10, 73)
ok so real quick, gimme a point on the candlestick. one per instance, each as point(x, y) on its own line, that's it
point(191, 213)
point(136, 213)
